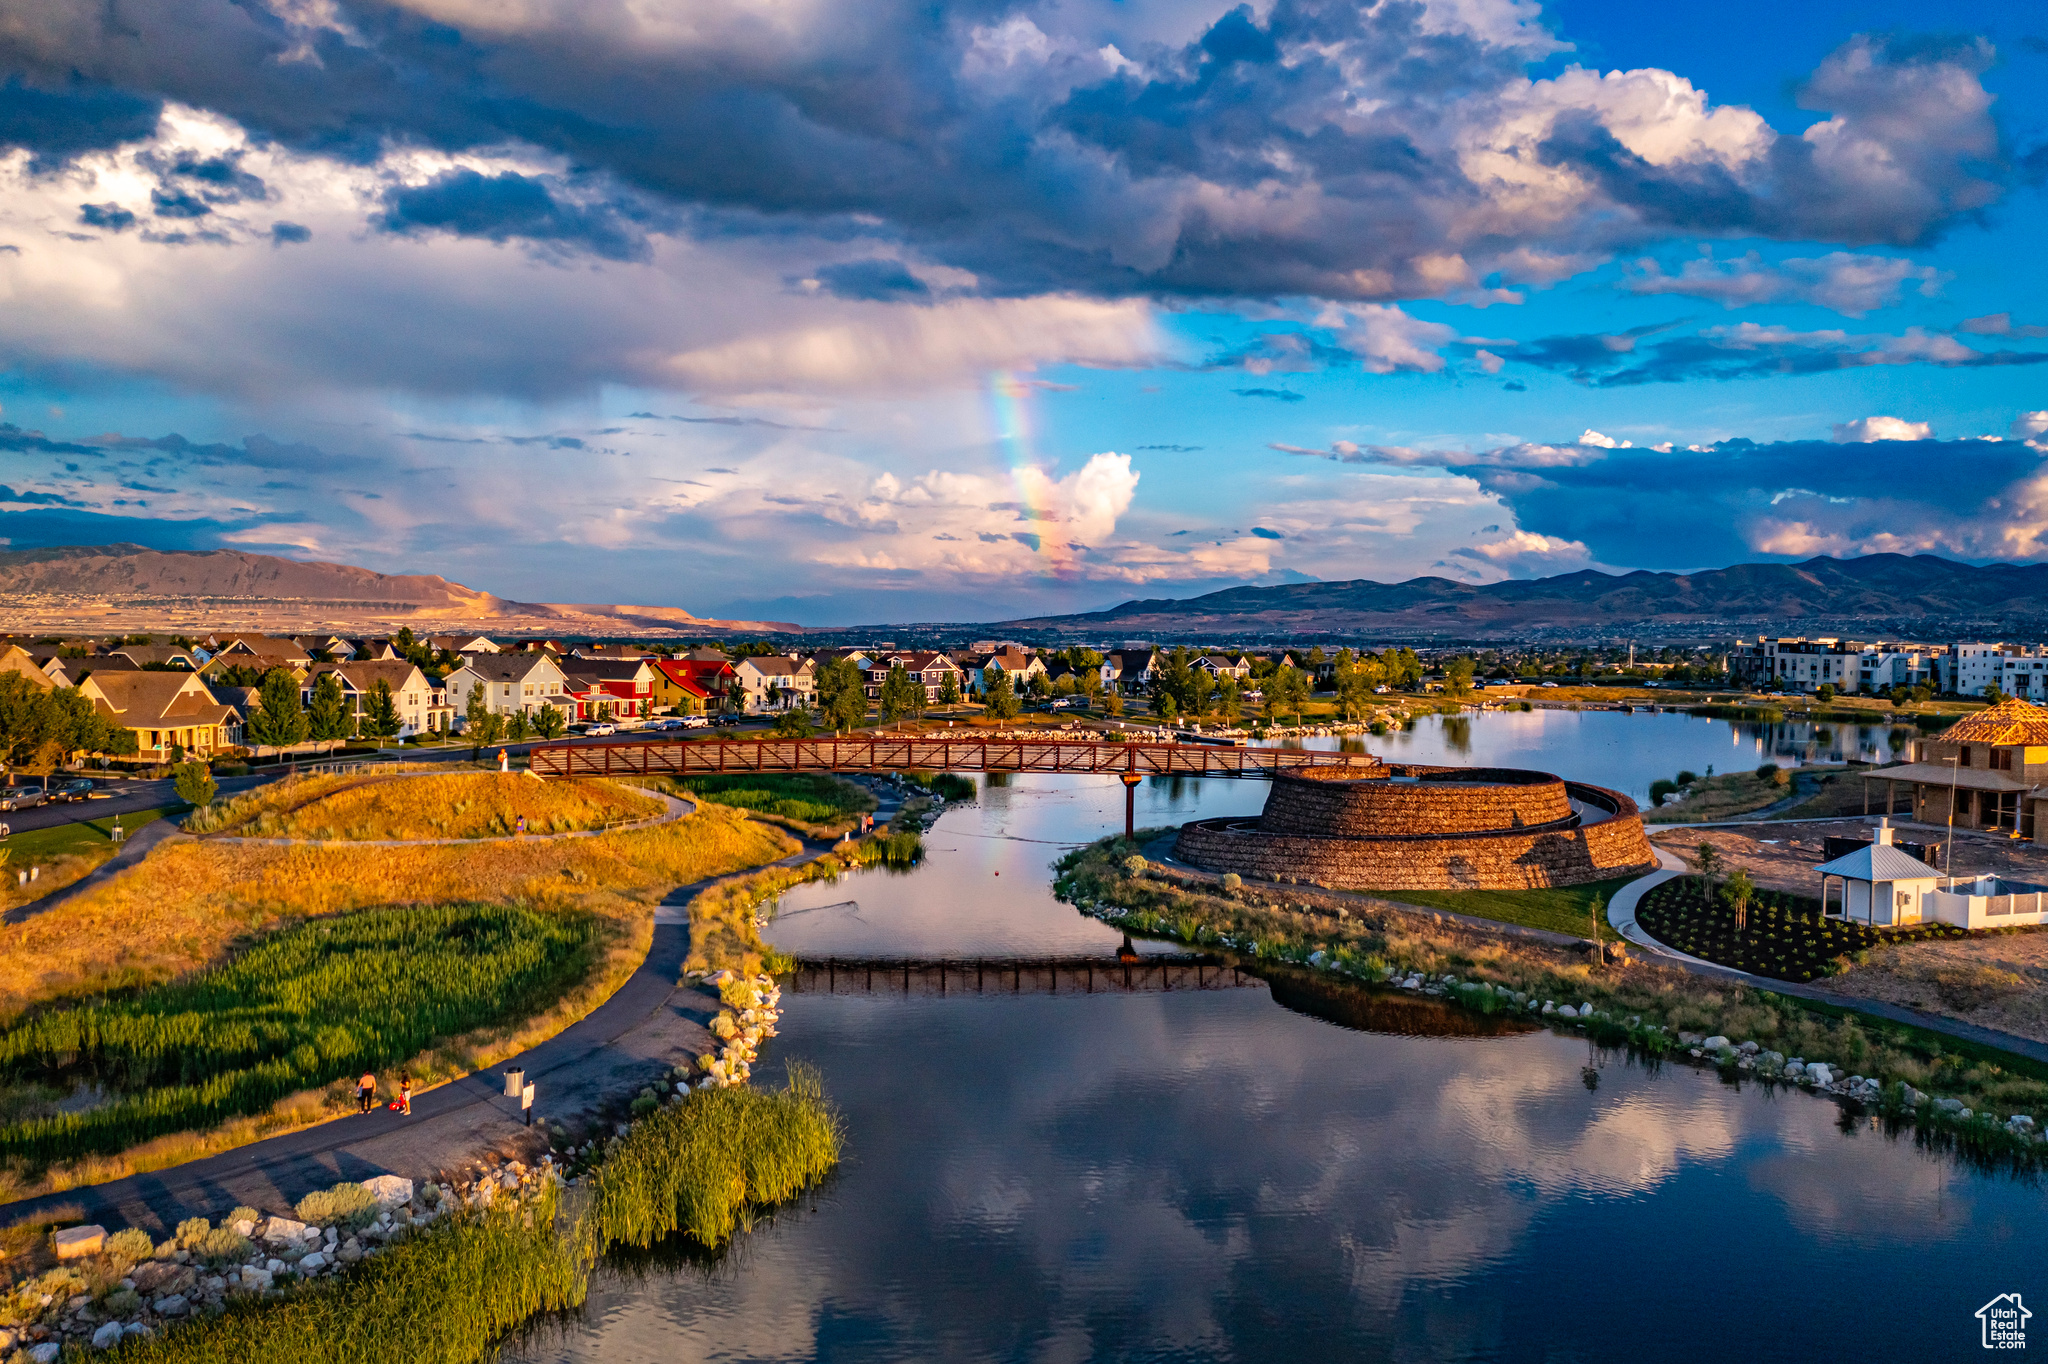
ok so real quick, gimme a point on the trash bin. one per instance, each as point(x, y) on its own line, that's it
point(515, 1083)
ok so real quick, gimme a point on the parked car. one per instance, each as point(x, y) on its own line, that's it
point(81, 789)
point(699, 722)
point(22, 798)
point(1552, 684)
point(602, 729)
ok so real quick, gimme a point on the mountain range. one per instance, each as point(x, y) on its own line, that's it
point(124, 587)
point(1877, 593)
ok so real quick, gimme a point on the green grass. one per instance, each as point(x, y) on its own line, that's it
point(1561, 909)
point(699, 1169)
point(314, 1003)
point(815, 797)
point(85, 835)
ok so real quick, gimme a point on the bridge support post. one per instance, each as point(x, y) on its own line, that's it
point(1131, 780)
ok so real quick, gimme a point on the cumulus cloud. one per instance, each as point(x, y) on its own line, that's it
point(1666, 508)
point(1866, 429)
point(1848, 283)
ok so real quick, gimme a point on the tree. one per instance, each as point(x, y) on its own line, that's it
point(1088, 682)
point(548, 722)
point(280, 718)
point(794, 723)
point(1001, 701)
point(1041, 687)
point(485, 730)
point(1286, 690)
point(328, 720)
point(647, 708)
point(1458, 677)
point(1230, 701)
point(1740, 890)
point(900, 695)
point(949, 689)
point(1165, 708)
point(1114, 704)
point(842, 694)
point(474, 713)
point(194, 783)
point(1710, 864)
point(516, 726)
point(39, 727)
point(380, 717)
point(1826, 692)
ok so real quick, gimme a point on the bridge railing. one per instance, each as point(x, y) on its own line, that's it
point(881, 752)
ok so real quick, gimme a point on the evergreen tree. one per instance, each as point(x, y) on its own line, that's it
point(280, 718)
point(380, 716)
point(327, 719)
point(900, 695)
point(548, 722)
point(998, 696)
point(949, 689)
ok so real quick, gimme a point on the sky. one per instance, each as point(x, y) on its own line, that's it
point(914, 311)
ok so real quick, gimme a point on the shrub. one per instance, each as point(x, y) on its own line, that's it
point(344, 1205)
point(1686, 778)
point(245, 1213)
point(1232, 881)
point(1135, 865)
point(130, 1244)
point(221, 1246)
point(192, 1231)
point(1662, 790)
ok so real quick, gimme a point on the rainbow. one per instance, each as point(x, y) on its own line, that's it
point(1009, 411)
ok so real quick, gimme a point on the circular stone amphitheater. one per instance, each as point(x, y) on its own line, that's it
point(1405, 827)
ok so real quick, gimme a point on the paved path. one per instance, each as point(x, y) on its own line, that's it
point(134, 848)
point(651, 1023)
point(1621, 913)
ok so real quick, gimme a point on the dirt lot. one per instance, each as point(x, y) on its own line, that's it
point(1996, 980)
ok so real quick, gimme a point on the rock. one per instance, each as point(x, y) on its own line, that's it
point(172, 1306)
point(273, 1266)
point(313, 1263)
point(256, 1280)
point(1549, 1007)
point(137, 1329)
point(6, 1341)
point(277, 1229)
point(45, 1353)
point(2023, 1121)
point(1965, 1114)
point(1715, 1043)
point(161, 1276)
point(107, 1337)
point(1949, 1105)
point(1820, 1074)
point(244, 1229)
point(1749, 1049)
point(1567, 1012)
point(74, 1242)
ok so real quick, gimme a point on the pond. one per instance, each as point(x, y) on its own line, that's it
point(1295, 1172)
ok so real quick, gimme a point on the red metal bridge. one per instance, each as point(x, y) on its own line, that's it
point(950, 753)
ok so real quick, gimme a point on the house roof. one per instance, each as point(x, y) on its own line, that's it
point(697, 676)
point(15, 659)
point(607, 669)
point(507, 667)
point(139, 699)
point(2011, 721)
point(1878, 862)
point(264, 646)
point(395, 673)
point(140, 654)
point(773, 665)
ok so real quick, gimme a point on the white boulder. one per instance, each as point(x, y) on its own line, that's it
point(281, 1229)
point(45, 1353)
point(388, 1190)
point(107, 1337)
point(1715, 1043)
point(313, 1263)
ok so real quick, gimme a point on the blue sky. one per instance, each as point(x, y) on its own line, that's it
point(904, 312)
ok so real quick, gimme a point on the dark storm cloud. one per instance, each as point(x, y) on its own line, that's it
point(508, 205)
point(111, 217)
point(70, 118)
point(874, 280)
point(40, 529)
point(1625, 359)
point(282, 233)
point(1335, 131)
point(1680, 508)
point(1278, 394)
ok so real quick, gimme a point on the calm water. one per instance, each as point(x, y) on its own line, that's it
point(1220, 1175)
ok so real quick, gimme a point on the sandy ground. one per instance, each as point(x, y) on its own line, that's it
point(1995, 980)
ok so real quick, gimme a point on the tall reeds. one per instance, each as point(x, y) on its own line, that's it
point(700, 1168)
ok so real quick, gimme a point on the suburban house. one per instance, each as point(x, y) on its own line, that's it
point(926, 668)
point(1112, 671)
point(980, 669)
point(690, 686)
point(62, 671)
point(165, 711)
point(621, 685)
point(256, 646)
point(463, 644)
point(217, 667)
point(1221, 666)
point(777, 682)
point(15, 659)
point(142, 655)
point(1136, 670)
point(1882, 884)
point(1986, 771)
point(420, 704)
point(509, 683)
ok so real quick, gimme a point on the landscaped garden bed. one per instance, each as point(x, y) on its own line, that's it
point(1785, 938)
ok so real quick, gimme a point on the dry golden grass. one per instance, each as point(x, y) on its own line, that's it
point(190, 902)
point(56, 873)
point(187, 903)
point(447, 805)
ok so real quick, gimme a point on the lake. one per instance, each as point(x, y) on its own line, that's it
point(1307, 1172)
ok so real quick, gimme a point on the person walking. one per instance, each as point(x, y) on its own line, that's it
point(504, 761)
point(366, 1093)
point(405, 1095)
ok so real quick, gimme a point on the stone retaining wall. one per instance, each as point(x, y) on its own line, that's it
point(1455, 829)
point(1441, 801)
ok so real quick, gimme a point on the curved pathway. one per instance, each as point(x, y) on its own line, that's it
point(134, 848)
point(652, 1022)
point(1621, 913)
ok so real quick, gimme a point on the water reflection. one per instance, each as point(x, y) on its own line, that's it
point(1384, 1011)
